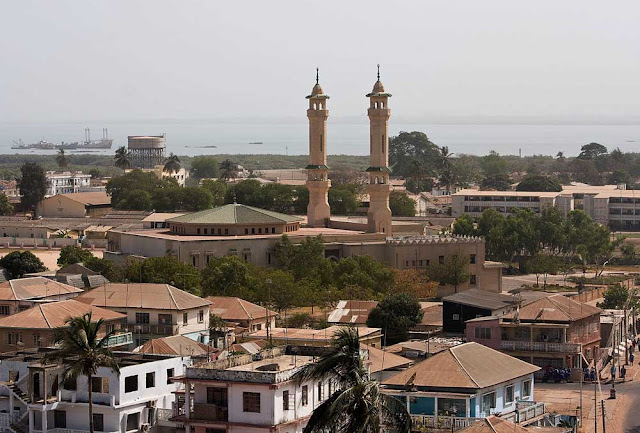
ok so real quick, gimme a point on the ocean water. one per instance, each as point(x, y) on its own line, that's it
point(197, 137)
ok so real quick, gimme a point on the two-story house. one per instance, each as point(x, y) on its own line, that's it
point(244, 314)
point(154, 310)
point(553, 331)
point(249, 393)
point(39, 400)
point(466, 383)
point(36, 327)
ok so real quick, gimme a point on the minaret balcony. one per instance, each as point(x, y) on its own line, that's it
point(379, 112)
point(317, 114)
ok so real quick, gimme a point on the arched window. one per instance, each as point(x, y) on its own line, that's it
point(375, 104)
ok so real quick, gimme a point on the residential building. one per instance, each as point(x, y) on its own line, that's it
point(158, 220)
point(351, 312)
point(312, 337)
point(36, 326)
point(180, 176)
point(37, 399)
point(249, 393)
point(243, 314)
point(154, 310)
point(383, 364)
point(66, 182)
point(80, 276)
point(23, 293)
point(179, 345)
point(467, 382)
point(553, 331)
point(75, 205)
point(10, 189)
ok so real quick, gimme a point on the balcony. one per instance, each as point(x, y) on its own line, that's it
point(539, 346)
point(209, 412)
point(147, 329)
point(122, 339)
point(450, 423)
point(525, 413)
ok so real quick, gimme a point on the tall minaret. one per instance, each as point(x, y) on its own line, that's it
point(318, 182)
point(379, 214)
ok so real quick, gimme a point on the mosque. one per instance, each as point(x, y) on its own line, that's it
point(251, 233)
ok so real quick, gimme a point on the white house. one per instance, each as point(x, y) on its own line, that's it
point(42, 401)
point(242, 395)
point(467, 382)
point(66, 182)
point(154, 310)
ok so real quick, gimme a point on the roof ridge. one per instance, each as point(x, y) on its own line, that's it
point(245, 310)
point(490, 425)
point(44, 316)
point(13, 290)
point(462, 366)
point(560, 307)
point(171, 296)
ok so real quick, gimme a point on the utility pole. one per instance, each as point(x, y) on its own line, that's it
point(604, 421)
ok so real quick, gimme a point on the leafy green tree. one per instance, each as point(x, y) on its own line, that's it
point(136, 180)
point(196, 199)
point(447, 176)
point(6, 208)
point(95, 173)
point(104, 267)
point(277, 288)
point(301, 202)
point(18, 263)
point(494, 172)
point(453, 271)
point(135, 199)
point(343, 200)
point(228, 170)
point(247, 192)
point(83, 351)
point(585, 171)
point(401, 204)
point(32, 185)
point(592, 151)
point(619, 176)
point(357, 405)
point(408, 147)
point(491, 226)
point(395, 315)
point(464, 226)
point(122, 158)
point(619, 297)
point(204, 167)
point(171, 164)
point(228, 276)
point(363, 271)
point(164, 270)
point(543, 264)
point(217, 189)
point(539, 183)
point(61, 159)
point(303, 260)
point(277, 197)
point(71, 254)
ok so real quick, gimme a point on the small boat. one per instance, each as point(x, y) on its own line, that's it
point(256, 142)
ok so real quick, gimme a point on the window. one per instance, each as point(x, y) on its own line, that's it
point(170, 373)
point(488, 403)
point(151, 380)
point(483, 333)
point(526, 389)
point(285, 400)
point(60, 419)
point(455, 317)
point(185, 318)
point(201, 316)
point(165, 319)
point(98, 422)
point(217, 396)
point(100, 385)
point(472, 259)
point(131, 384)
point(4, 310)
point(142, 318)
point(472, 280)
point(133, 421)
point(14, 337)
point(69, 384)
point(109, 328)
point(320, 392)
point(37, 340)
point(330, 385)
point(305, 395)
point(508, 394)
point(251, 402)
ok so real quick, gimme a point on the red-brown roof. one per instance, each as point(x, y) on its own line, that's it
point(142, 295)
point(352, 312)
point(33, 288)
point(555, 308)
point(232, 309)
point(494, 424)
point(54, 315)
point(176, 345)
point(89, 198)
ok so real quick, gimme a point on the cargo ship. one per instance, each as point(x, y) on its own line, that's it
point(88, 143)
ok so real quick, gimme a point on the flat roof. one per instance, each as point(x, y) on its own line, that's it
point(481, 299)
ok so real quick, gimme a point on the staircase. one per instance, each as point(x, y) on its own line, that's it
point(19, 393)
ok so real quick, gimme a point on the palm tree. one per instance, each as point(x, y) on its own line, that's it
point(82, 351)
point(357, 405)
point(61, 159)
point(228, 170)
point(122, 158)
point(172, 164)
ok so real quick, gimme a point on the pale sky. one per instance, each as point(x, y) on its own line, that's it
point(155, 59)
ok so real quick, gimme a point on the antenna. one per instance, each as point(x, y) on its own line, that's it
point(317, 75)
point(378, 71)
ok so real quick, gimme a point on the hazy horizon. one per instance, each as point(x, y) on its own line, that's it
point(463, 62)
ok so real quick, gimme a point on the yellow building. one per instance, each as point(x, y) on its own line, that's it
point(75, 205)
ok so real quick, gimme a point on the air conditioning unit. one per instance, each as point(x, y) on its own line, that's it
point(144, 427)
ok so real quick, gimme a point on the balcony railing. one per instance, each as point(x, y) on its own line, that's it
point(525, 412)
point(209, 412)
point(148, 329)
point(120, 339)
point(450, 423)
point(539, 346)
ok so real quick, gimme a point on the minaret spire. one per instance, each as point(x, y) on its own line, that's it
point(317, 75)
point(378, 71)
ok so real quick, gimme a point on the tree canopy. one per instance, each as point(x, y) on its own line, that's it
point(32, 184)
point(71, 254)
point(395, 315)
point(18, 263)
point(539, 183)
point(204, 167)
point(401, 204)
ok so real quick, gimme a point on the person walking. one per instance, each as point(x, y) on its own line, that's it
point(623, 372)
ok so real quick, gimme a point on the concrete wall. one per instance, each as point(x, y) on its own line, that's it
point(37, 242)
point(493, 324)
point(60, 206)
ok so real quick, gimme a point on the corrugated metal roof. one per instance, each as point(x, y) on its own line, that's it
point(232, 309)
point(234, 214)
point(469, 365)
point(33, 288)
point(54, 315)
point(481, 299)
point(382, 360)
point(556, 308)
point(494, 424)
point(176, 345)
point(142, 295)
point(352, 312)
point(88, 198)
